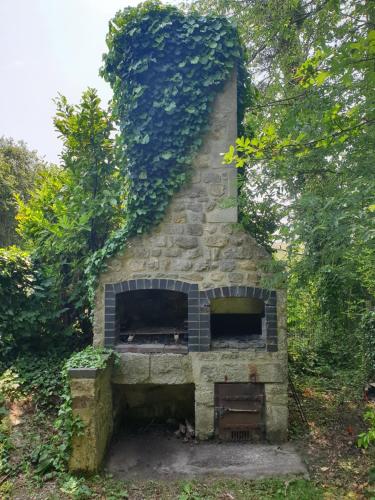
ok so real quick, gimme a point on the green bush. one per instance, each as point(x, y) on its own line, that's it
point(365, 439)
point(28, 312)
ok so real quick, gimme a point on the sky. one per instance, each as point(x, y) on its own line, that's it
point(49, 47)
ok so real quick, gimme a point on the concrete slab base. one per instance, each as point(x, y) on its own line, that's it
point(152, 455)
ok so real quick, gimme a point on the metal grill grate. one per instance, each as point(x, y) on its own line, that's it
point(240, 435)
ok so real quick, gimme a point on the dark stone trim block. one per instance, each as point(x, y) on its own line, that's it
point(83, 372)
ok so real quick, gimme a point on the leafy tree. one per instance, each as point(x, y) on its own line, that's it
point(308, 154)
point(28, 313)
point(18, 168)
point(73, 209)
point(89, 155)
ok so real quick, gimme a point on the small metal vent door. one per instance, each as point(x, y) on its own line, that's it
point(239, 411)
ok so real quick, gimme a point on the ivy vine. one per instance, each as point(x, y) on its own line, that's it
point(165, 69)
point(53, 457)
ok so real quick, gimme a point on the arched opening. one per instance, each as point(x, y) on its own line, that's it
point(152, 316)
point(236, 319)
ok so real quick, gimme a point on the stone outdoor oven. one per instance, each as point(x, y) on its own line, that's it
point(185, 309)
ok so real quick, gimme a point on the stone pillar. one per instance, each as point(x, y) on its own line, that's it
point(204, 411)
point(91, 392)
point(276, 412)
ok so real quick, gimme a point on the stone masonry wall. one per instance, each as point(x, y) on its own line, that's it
point(203, 370)
point(200, 244)
point(198, 241)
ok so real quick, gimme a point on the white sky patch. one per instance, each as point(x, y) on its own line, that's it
point(47, 47)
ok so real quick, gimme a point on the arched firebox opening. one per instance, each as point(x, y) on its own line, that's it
point(152, 316)
point(241, 317)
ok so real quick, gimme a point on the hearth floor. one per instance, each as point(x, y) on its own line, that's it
point(152, 455)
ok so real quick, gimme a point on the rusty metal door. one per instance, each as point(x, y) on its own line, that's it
point(239, 411)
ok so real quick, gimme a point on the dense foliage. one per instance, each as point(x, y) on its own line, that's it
point(308, 161)
point(307, 183)
point(90, 357)
point(28, 310)
point(41, 382)
point(18, 168)
point(165, 69)
point(73, 209)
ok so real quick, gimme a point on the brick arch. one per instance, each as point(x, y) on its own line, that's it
point(111, 290)
point(268, 296)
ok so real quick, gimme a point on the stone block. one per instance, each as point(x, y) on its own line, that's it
point(193, 277)
point(195, 207)
point(195, 217)
point(235, 277)
point(193, 253)
point(179, 206)
point(217, 189)
point(153, 264)
point(82, 387)
point(211, 177)
point(276, 423)
point(277, 394)
point(156, 252)
point(210, 228)
point(253, 278)
point(247, 265)
point(194, 229)
point(197, 192)
point(80, 402)
point(133, 369)
point(204, 421)
point(181, 265)
point(230, 253)
point(201, 265)
point(223, 215)
point(202, 160)
point(170, 369)
point(216, 240)
point(179, 219)
point(172, 252)
point(173, 229)
point(272, 372)
point(204, 395)
point(159, 241)
point(136, 265)
point(217, 277)
point(186, 241)
point(196, 178)
point(227, 265)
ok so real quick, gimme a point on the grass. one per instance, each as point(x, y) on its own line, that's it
point(338, 469)
point(105, 487)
